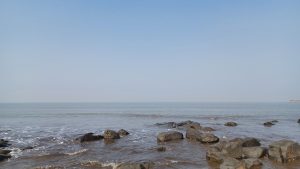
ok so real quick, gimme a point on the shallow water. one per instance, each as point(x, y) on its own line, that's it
point(51, 128)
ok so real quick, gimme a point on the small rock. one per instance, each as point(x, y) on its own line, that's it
point(231, 124)
point(123, 132)
point(4, 157)
point(232, 163)
point(284, 151)
point(89, 137)
point(169, 136)
point(298, 120)
point(4, 143)
point(253, 152)
point(111, 134)
point(161, 149)
point(209, 138)
point(136, 165)
point(4, 152)
point(268, 124)
point(252, 163)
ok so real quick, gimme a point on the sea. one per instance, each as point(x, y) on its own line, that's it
point(42, 134)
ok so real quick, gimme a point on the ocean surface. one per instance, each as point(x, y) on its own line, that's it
point(50, 129)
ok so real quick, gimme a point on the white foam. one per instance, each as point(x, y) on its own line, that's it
point(77, 152)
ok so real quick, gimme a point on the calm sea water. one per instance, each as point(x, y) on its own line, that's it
point(51, 128)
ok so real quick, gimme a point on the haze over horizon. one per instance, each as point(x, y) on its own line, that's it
point(149, 51)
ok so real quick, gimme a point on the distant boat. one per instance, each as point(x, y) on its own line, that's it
point(294, 101)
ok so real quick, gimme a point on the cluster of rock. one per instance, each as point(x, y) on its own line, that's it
point(108, 135)
point(4, 154)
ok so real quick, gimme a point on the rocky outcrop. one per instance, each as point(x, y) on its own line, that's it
point(231, 124)
point(197, 135)
point(111, 134)
point(169, 136)
point(123, 132)
point(136, 165)
point(284, 151)
point(89, 137)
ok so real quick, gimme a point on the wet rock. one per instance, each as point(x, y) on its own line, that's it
point(4, 143)
point(123, 132)
point(136, 165)
point(233, 149)
point(232, 163)
point(4, 157)
point(253, 152)
point(27, 148)
point(193, 125)
point(89, 137)
point(250, 142)
point(169, 136)
point(4, 152)
point(231, 124)
point(214, 154)
point(111, 134)
point(298, 120)
point(284, 151)
point(197, 135)
point(253, 163)
point(161, 149)
point(183, 123)
point(167, 124)
point(269, 124)
point(274, 121)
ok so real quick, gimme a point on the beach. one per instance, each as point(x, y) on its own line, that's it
point(44, 134)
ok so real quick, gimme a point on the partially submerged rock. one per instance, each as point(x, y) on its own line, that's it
point(269, 124)
point(4, 151)
point(123, 132)
point(231, 124)
point(136, 165)
point(4, 157)
point(169, 136)
point(284, 151)
point(111, 134)
point(197, 135)
point(252, 163)
point(232, 163)
point(4, 143)
point(253, 152)
point(167, 124)
point(89, 137)
point(298, 120)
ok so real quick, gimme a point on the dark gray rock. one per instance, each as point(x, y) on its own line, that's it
point(284, 151)
point(89, 137)
point(4, 143)
point(269, 124)
point(111, 134)
point(136, 165)
point(169, 136)
point(4, 152)
point(123, 132)
point(250, 142)
point(298, 120)
point(231, 124)
point(4, 157)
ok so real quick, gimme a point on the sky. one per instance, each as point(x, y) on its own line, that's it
point(149, 51)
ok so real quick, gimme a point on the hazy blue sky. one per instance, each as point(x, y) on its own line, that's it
point(59, 50)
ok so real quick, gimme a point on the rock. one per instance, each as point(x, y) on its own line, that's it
point(274, 121)
point(250, 142)
point(298, 120)
point(207, 129)
point(231, 163)
point(268, 124)
point(4, 143)
point(111, 134)
point(4, 152)
point(196, 135)
point(161, 149)
point(183, 123)
point(136, 165)
point(169, 136)
point(27, 148)
point(231, 124)
point(233, 149)
point(167, 124)
point(214, 154)
point(253, 152)
point(123, 132)
point(89, 137)
point(284, 151)
point(252, 163)
point(4, 157)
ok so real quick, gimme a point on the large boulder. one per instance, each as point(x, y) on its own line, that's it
point(89, 137)
point(232, 163)
point(169, 136)
point(231, 124)
point(123, 132)
point(196, 135)
point(253, 152)
point(111, 134)
point(136, 165)
point(284, 151)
